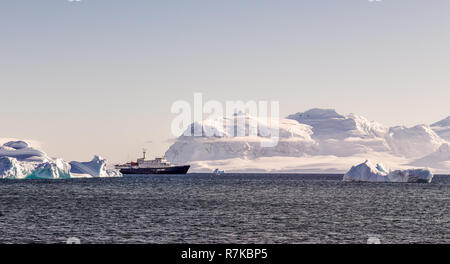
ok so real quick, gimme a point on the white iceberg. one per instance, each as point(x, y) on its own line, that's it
point(95, 168)
point(22, 151)
point(369, 172)
point(11, 168)
point(20, 161)
point(53, 169)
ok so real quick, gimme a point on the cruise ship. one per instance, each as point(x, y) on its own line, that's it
point(148, 167)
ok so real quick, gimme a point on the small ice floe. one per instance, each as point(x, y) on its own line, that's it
point(369, 172)
point(217, 171)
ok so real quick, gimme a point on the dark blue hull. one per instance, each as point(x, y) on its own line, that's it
point(150, 171)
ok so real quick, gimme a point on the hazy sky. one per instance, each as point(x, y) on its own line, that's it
point(100, 76)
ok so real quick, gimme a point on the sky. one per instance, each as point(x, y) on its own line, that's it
point(100, 76)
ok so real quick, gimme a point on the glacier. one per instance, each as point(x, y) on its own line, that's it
point(294, 140)
point(414, 142)
point(18, 160)
point(370, 172)
point(317, 140)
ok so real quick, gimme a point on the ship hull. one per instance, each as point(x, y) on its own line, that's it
point(151, 171)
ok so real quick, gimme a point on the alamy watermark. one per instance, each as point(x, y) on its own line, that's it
point(230, 119)
point(73, 240)
point(373, 240)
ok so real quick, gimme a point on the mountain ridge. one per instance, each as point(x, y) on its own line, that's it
point(315, 135)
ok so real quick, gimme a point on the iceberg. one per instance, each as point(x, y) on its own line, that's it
point(17, 144)
point(413, 175)
point(22, 151)
point(54, 169)
point(369, 172)
point(18, 160)
point(95, 168)
point(11, 168)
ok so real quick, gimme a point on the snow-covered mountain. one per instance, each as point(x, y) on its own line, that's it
point(226, 141)
point(442, 128)
point(343, 135)
point(315, 140)
point(414, 142)
point(327, 123)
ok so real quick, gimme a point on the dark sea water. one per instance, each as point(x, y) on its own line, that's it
point(224, 209)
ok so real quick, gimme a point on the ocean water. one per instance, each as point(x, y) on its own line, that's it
point(240, 208)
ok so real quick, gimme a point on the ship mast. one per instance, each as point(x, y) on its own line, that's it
point(144, 151)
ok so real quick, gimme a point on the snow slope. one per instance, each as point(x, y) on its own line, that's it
point(440, 159)
point(304, 164)
point(327, 123)
point(442, 128)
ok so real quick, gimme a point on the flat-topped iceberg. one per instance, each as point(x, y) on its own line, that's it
point(18, 160)
point(369, 172)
